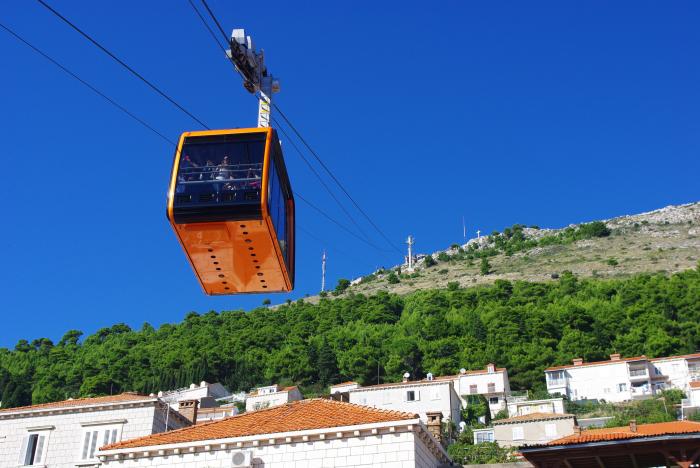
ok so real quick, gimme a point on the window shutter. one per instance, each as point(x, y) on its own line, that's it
point(105, 440)
point(93, 444)
point(86, 445)
point(39, 449)
point(114, 436)
point(417, 395)
point(23, 451)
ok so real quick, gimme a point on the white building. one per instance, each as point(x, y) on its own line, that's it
point(417, 396)
point(622, 379)
point(691, 404)
point(491, 382)
point(518, 407)
point(344, 387)
point(272, 395)
point(307, 433)
point(205, 393)
point(531, 429)
point(68, 433)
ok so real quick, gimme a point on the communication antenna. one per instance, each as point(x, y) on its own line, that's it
point(256, 78)
point(464, 230)
point(478, 234)
point(410, 241)
point(323, 271)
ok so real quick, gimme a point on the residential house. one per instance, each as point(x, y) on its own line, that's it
point(491, 382)
point(205, 393)
point(307, 433)
point(532, 429)
point(691, 404)
point(662, 444)
point(272, 395)
point(622, 379)
point(523, 407)
point(425, 396)
point(68, 433)
point(205, 415)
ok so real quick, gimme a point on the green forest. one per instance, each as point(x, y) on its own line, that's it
point(524, 326)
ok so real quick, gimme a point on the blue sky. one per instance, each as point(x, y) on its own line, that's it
point(543, 113)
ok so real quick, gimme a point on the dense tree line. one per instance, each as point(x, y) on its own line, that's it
point(524, 326)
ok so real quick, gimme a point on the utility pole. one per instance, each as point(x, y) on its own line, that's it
point(410, 241)
point(256, 78)
point(323, 271)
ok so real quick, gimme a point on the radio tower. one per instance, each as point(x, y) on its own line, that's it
point(410, 241)
point(323, 271)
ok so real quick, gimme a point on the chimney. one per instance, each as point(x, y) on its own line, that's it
point(577, 361)
point(435, 424)
point(615, 357)
point(577, 430)
point(188, 408)
point(490, 368)
point(633, 425)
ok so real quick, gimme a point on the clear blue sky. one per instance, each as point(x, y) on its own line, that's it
point(542, 113)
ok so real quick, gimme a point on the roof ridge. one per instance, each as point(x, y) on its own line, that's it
point(76, 400)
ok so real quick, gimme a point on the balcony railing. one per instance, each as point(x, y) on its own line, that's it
point(556, 382)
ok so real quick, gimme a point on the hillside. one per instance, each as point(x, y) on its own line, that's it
point(376, 336)
point(666, 240)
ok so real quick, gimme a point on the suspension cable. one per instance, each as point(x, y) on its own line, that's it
point(121, 62)
point(86, 84)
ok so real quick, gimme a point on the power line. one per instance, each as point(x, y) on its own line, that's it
point(320, 179)
point(88, 85)
point(335, 179)
point(301, 138)
point(291, 141)
point(121, 62)
point(337, 223)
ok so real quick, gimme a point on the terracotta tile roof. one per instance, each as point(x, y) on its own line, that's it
point(598, 363)
point(349, 382)
point(533, 417)
point(695, 384)
point(439, 379)
point(471, 372)
point(620, 433)
point(122, 397)
point(297, 416)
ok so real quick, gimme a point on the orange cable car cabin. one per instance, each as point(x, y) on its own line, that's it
point(231, 206)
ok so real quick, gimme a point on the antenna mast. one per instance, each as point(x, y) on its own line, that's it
point(323, 271)
point(256, 78)
point(410, 241)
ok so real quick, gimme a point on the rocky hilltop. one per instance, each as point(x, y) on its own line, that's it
point(666, 240)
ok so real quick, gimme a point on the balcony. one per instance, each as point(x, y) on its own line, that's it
point(641, 392)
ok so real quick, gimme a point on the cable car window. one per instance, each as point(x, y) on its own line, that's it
point(220, 170)
point(276, 203)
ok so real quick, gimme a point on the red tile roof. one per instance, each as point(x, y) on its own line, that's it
point(122, 397)
point(684, 356)
point(533, 417)
point(297, 416)
point(439, 379)
point(349, 382)
point(695, 384)
point(620, 433)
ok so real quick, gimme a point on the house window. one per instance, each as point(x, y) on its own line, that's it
point(550, 430)
point(412, 395)
point(96, 438)
point(518, 433)
point(491, 387)
point(484, 437)
point(472, 389)
point(556, 378)
point(33, 449)
point(621, 387)
point(493, 400)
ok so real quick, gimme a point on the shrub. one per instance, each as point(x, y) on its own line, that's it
point(612, 262)
point(485, 266)
point(444, 271)
point(267, 302)
point(430, 261)
point(443, 257)
point(453, 286)
point(392, 278)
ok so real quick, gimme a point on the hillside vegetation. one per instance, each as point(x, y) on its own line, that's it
point(665, 240)
point(524, 326)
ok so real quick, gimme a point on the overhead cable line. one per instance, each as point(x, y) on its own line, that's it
point(291, 141)
point(315, 155)
point(86, 84)
point(122, 63)
point(334, 221)
point(335, 179)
